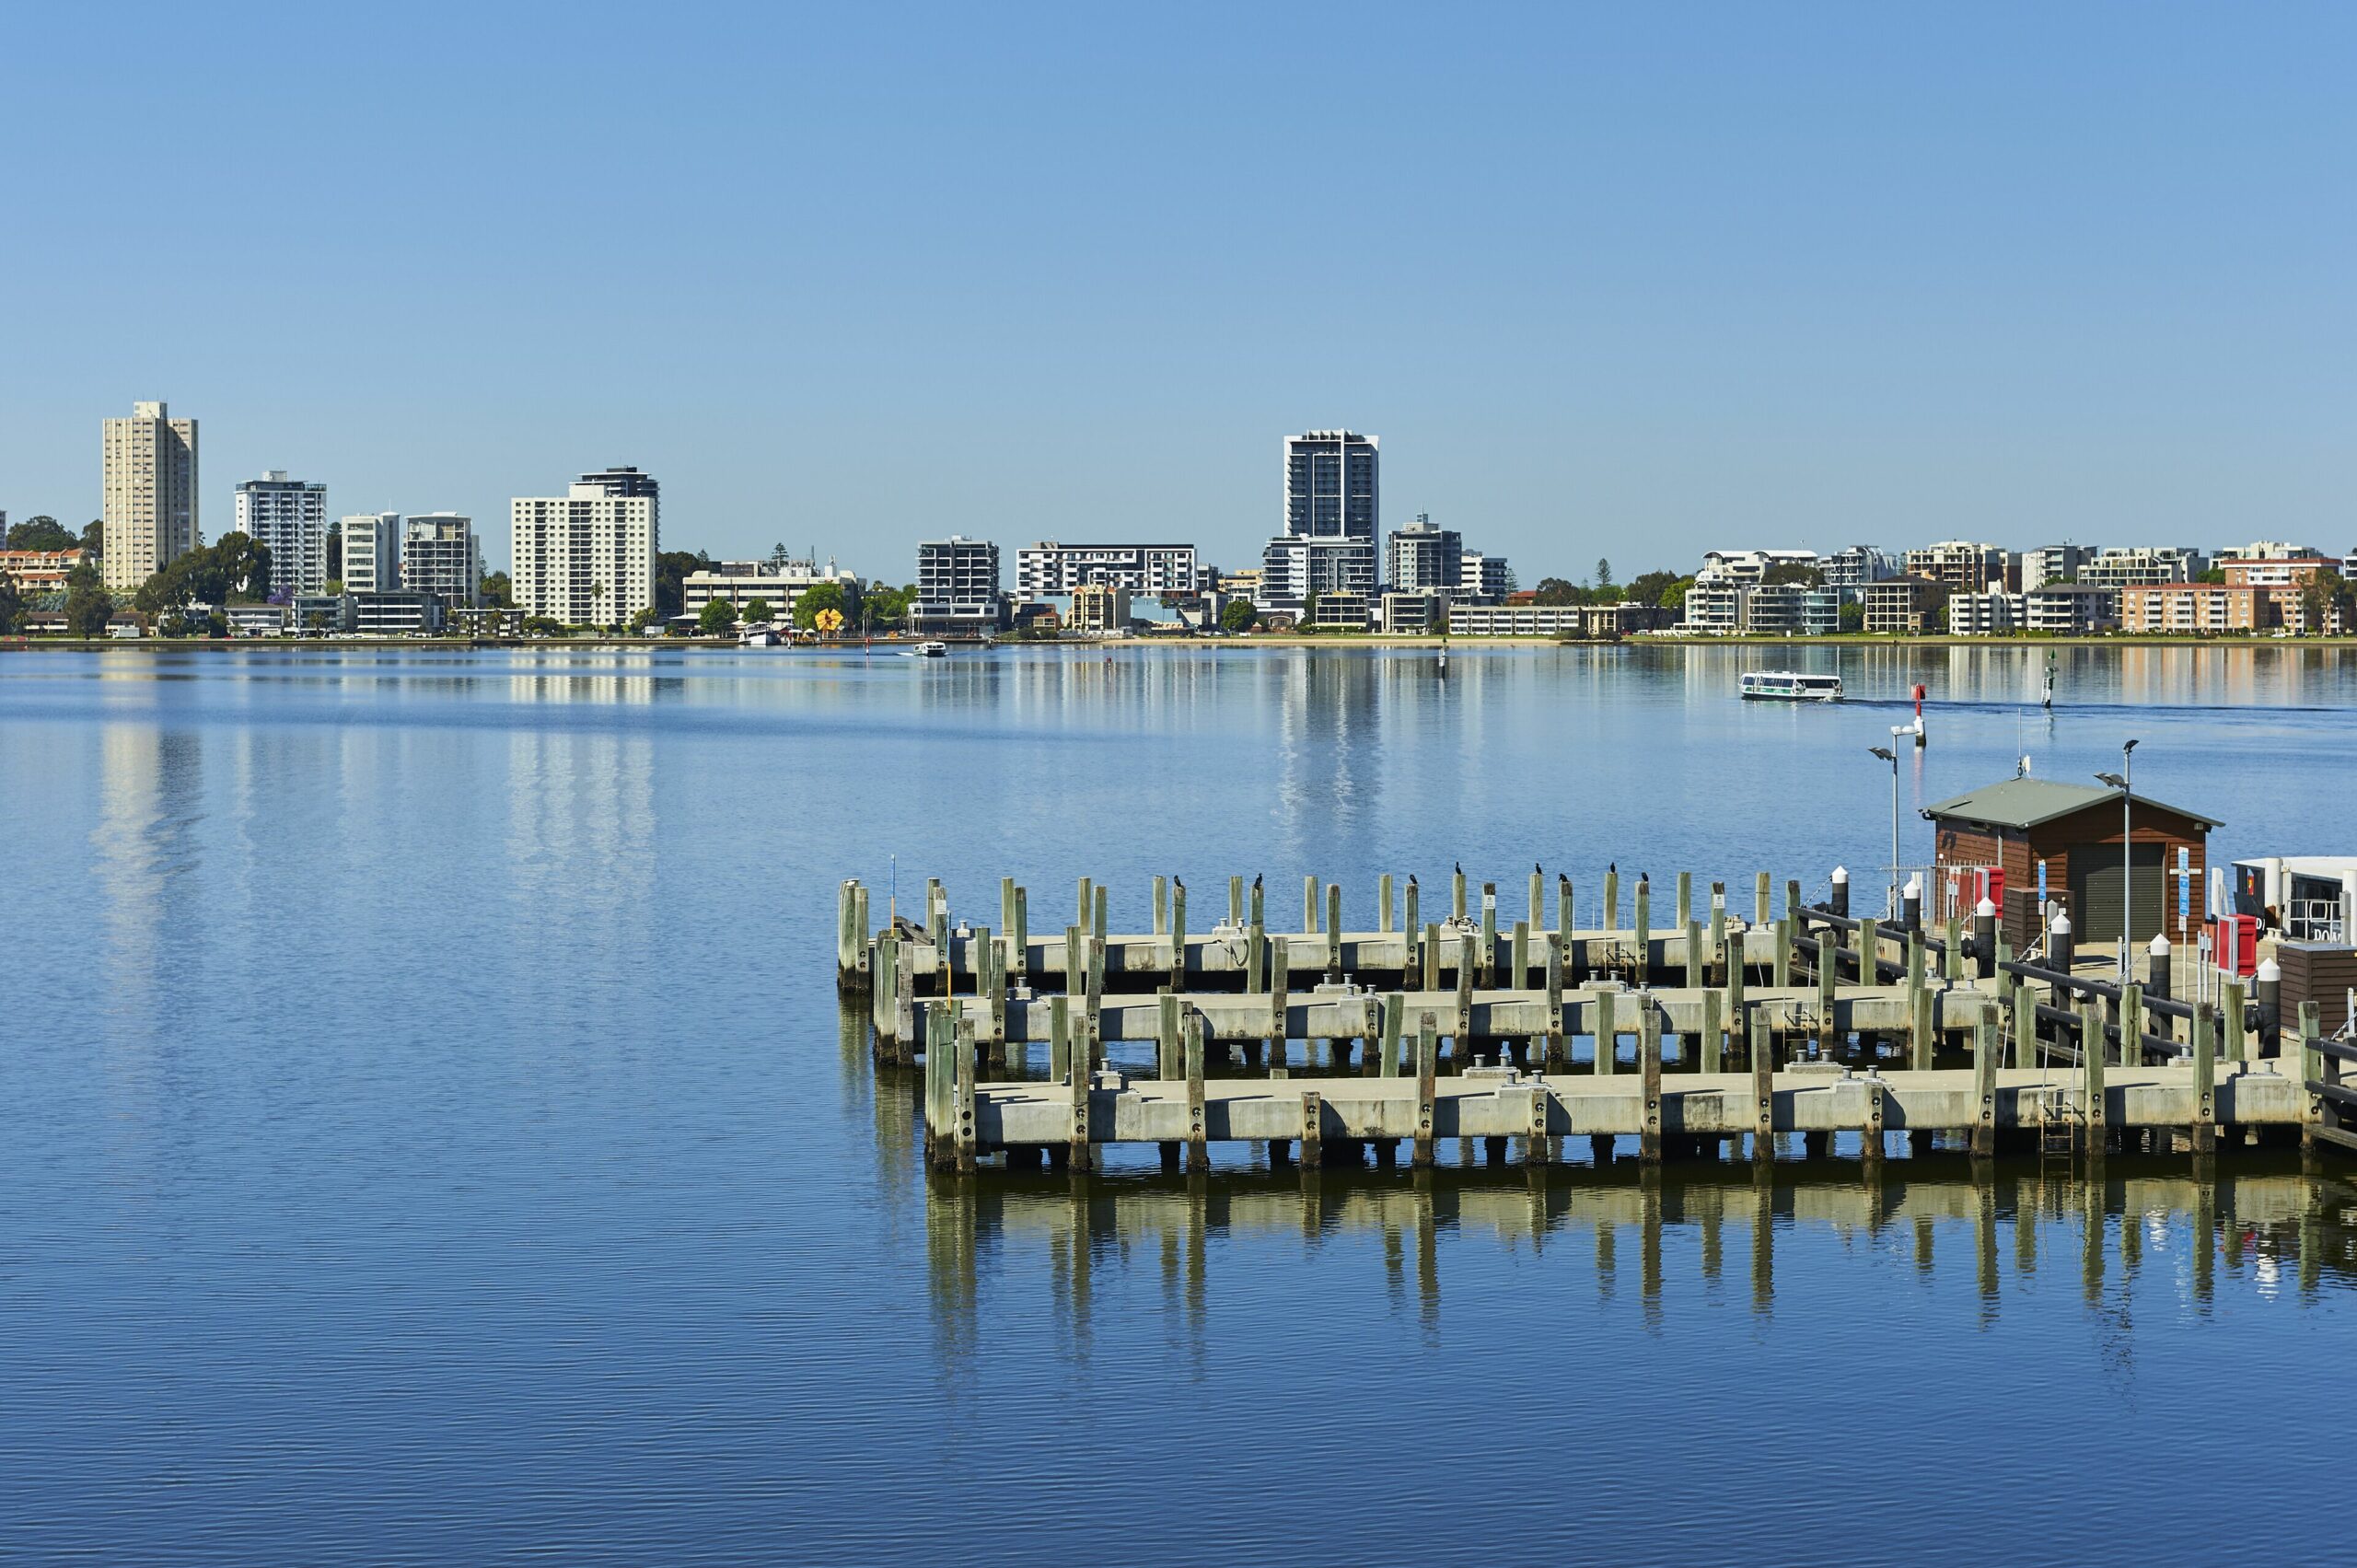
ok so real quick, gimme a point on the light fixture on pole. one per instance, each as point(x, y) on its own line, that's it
point(1891, 757)
point(2120, 781)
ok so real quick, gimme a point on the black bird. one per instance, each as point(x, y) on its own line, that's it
point(1460, 868)
point(1614, 868)
point(1411, 878)
point(1256, 883)
point(1179, 884)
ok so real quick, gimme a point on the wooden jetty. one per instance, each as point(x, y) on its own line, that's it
point(1707, 1035)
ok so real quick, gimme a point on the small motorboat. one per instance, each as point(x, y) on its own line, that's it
point(759, 637)
point(1790, 686)
point(929, 649)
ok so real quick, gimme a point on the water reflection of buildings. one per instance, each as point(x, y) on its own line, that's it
point(151, 799)
point(2124, 1233)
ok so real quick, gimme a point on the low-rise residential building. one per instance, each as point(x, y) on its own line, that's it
point(1052, 568)
point(1482, 579)
point(2052, 563)
point(1964, 566)
point(1983, 615)
point(2265, 549)
point(779, 583)
point(2127, 566)
point(484, 620)
point(1725, 609)
point(1894, 608)
point(1714, 609)
point(1344, 609)
point(41, 571)
point(2258, 595)
point(321, 612)
point(1295, 567)
point(1405, 614)
point(1099, 610)
point(399, 612)
point(1847, 571)
point(2069, 610)
point(255, 619)
point(1584, 621)
point(1742, 567)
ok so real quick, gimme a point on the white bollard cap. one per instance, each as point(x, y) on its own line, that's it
point(2061, 926)
point(2270, 970)
point(1840, 873)
point(1914, 889)
point(1984, 908)
point(2160, 948)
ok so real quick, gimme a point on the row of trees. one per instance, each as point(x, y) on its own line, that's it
point(48, 533)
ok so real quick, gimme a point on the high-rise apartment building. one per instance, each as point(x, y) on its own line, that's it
point(371, 543)
point(150, 494)
point(1333, 507)
point(289, 518)
point(1422, 559)
point(957, 587)
point(439, 556)
point(1483, 579)
point(587, 557)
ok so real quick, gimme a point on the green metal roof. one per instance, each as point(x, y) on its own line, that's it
point(2022, 804)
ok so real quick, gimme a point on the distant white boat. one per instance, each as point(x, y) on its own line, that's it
point(1790, 686)
point(759, 637)
point(927, 650)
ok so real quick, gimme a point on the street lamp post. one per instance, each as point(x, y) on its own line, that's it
point(2122, 782)
point(1891, 897)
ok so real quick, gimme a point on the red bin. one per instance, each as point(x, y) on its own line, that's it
point(2235, 939)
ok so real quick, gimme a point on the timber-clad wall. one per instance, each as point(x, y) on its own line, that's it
point(2315, 972)
point(2092, 833)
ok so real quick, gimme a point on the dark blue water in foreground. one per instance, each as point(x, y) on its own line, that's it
point(427, 1135)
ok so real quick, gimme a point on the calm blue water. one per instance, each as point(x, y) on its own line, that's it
point(431, 1136)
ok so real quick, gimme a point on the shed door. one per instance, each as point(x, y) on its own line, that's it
point(2094, 893)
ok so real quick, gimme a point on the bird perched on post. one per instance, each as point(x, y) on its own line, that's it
point(1256, 882)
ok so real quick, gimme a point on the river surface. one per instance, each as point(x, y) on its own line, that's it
point(431, 1136)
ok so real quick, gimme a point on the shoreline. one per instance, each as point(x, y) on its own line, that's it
point(1129, 644)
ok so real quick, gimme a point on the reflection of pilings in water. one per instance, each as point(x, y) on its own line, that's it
point(1086, 1218)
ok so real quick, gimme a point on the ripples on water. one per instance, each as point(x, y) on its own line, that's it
point(431, 1136)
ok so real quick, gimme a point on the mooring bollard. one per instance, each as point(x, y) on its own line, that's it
point(1910, 905)
point(1839, 900)
point(1984, 939)
point(2059, 956)
point(2158, 978)
point(2270, 989)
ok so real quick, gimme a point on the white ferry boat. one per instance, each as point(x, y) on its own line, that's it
point(1791, 686)
point(932, 650)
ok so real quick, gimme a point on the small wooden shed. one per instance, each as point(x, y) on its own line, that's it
point(2074, 831)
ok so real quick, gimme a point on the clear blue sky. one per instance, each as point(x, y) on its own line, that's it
point(1619, 279)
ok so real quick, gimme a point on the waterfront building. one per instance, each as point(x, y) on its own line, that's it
point(1422, 559)
point(2258, 595)
point(322, 613)
point(41, 571)
point(958, 587)
point(1344, 609)
point(1983, 615)
point(254, 620)
point(1725, 608)
point(2018, 828)
point(1293, 569)
point(2264, 549)
point(1553, 620)
point(1847, 571)
point(1332, 511)
point(2116, 567)
point(149, 504)
point(1482, 579)
point(1962, 567)
point(372, 552)
point(1050, 568)
point(1410, 614)
point(1713, 609)
point(1896, 606)
point(2051, 564)
point(289, 518)
point(395, 614)
point(484, 620)
point(781, 583)
point(1745, 567)
point(2069, 610)
point(1100, 610)
point(439, 556)
point(587, 557)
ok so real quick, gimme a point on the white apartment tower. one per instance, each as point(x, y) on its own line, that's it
point(150, 494)
point(289, 518)
point(439, 556)
point(372, 553)
point(587, 557)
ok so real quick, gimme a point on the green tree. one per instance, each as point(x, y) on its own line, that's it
point(12, 606)
point(1853, 618)
point(757, 611)
point(1555, 591)
point(1308, 615)
point(671, 569)
point(545, 626)
point(335, 554)
point(640, 622)
point(1603, 573)
point(598, 603)
point(1794, 571)
point(1238, 615)
point(94, 536)
point(2319, 596)
point(1649, 587)
point(40, 533)
point(1673, 596)
point(717, 619)
point(824, 596)
point(498, 591)
point(87, 605)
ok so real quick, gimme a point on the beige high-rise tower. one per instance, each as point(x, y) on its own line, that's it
point(150, 508)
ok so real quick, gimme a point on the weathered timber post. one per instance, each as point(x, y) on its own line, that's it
point(1019, 939)
point(1869, 951)
point(1693, 975)
point(2205, 1083)
point(1649, 1060)
point(1538, 900)
point(1100, 930)
point(1198, 1137)
point(1312, 1129)
point(1764, 1090)
point(1684, 899)
point(1256, 949)
point(1951, 950)
point(1165, 1037)
point(1555, 1056)
point(1780, 972)
point(1456, 896)
point(881, 1008)
point(1179, 936)
point(1984, 1086)
point(1463, 1038)
point(937, 928)
point(1235, 902)
point(1309, 906)
point(2025, 1051)
point(1870, 1126)
point(1427, 1076)
point(1984, 939)
point(1761, 913)
point(1006, 904)
point(2308, 1072)
point(2091, 1054)
point(1075, 961)
point(850, 941)
point(1828, 1030)
point(1735, 1007)
point(1711, 1062)
point(2234, 1025)
point(2131, 1025)
point(1922, 1030)
point(1383, 903)
point(968, 1129)
point(1059, 1040)
point(904, 1008)
point(1411, 923)
point(1644, 932)
point(1280, 965)
point(1161, 905)
point(1608, 1032)
point(1395, 1008)
point(1792, 897)
point(1718, 948)
point(1087, 903)
point(1334, 931)
point(1431, 944)
point(938, 1145)
point(1488, 933)
point(1520, 957)
point(1565, 924)
point(1077, 1157)
point(1612, 899)
point(1840, 899)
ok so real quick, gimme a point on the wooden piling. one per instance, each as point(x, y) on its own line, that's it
point(1077, 1145)
point(1161, 905)
point(1984, 1086)
point(1828, 1030)
point(1713, 1060)
point(1715, 946)
point(1165, 1038)
point(1649, 1063)
point(1312, 1129)
point(1644, 932)
point(1520, 959)
point(1684, 899)
point(1760, 899)
point(2025, 1052)
point(2307, 1063)
point(1555, 1058)
point(1179, 936)
point(1463, 1036)
point(1781, 966)
point(1431, 958)
point(1922, 1031)
point(1100, 930)
point(2091, 1054)
point(1334, 929)
point(2131, 1025)
point(1427, 1089)
point(1059, 1039)
point(1235, 902)
point(1280, 967)
point(1395, 1008)
point(1612, 899)
point(1488, 933)
point(1607, 1038)
point(1383, 903)
point(969, 1130)
point(1764, 1090)
point(2205, 1082)
point(1198, 1133)
point(1409, 921)
point(2233, 1039)
point(1456, 896)
point(1019, 929)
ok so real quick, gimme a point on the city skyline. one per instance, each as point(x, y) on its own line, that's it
point(1814, 278)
